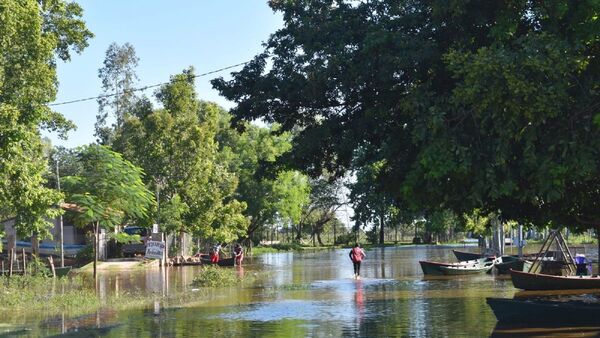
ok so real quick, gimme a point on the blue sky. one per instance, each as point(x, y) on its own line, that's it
point(168, 36)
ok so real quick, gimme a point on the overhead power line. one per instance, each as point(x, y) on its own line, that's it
point(145, 87)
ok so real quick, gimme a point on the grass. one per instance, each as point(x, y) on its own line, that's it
point(53, 296)
point(214, 276)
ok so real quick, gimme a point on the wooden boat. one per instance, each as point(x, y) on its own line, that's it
point(533, 281)
point(466, 256)
point(468, 269)
point(222, 262)
point(434, 268)
point(506, 263)
point(530, 310)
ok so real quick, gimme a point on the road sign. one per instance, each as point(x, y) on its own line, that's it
point(155, 249)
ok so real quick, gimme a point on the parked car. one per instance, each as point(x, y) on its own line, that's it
point(137, 248)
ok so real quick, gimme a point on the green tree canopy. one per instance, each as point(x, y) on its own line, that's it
point(472, 104)
point(34, 35)
point(108, 190)
point(176, 146)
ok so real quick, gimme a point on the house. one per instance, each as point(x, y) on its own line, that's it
point(75, 238)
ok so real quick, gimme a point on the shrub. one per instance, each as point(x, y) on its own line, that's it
point(287, 246)
point(214, 276)
point(85, 255)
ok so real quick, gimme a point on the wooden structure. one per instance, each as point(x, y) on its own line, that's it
point(562, 263)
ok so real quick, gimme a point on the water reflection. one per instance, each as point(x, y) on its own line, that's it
point(392, 299)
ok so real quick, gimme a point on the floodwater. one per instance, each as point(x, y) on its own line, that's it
point(307, 294)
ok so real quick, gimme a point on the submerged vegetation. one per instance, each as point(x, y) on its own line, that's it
point(213, 276)
point(39, 293)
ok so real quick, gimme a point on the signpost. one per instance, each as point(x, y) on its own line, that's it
point(155, 249)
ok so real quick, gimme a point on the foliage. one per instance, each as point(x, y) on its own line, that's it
point(37, 267)
point(476, 223)
point(108, 189)
point(68, 164)
point(214, 276)
point(487, 105)
point(441, 223)
point(124, 238)
point(319, 211)
point(34, 35)
point(270, 197)
point(55, 296)
point(85, 255)
point(118, 79)
point(176, 146)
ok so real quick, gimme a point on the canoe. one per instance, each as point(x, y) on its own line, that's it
point(536, 310)
point(468, 269)
point(466, 256)
point(534, 281)
point(506, 263)
point(434, 268)
point(222, 262)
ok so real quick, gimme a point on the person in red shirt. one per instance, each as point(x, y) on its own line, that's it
point(238, 253)
point(356, 256)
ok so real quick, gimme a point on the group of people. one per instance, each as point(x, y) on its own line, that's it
point(356, 254)
point(238, 253)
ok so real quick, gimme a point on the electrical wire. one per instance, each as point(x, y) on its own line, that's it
point(145, 87)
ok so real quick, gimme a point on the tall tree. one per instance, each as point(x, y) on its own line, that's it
point(107, 191)
point(176, 146)
point(34, 35)
point(472, 104)
point(117, 100)
point(268, 195)
point(320, 210)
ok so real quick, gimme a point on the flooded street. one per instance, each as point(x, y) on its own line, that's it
point(297, 295)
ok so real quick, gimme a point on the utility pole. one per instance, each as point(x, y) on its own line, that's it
point(60, 220)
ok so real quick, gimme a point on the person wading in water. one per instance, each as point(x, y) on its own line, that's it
point(356, 255)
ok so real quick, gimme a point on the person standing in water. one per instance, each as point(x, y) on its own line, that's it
point(356, 256)
point(238, 254)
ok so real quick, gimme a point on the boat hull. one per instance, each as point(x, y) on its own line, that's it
point(435, 268)
point(466, 270)
point(532, 281)
point(222, 262)
point(466, 256)
point(527, 310)
point(508, 263)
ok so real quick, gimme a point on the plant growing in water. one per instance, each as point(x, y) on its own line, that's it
point(213, 276)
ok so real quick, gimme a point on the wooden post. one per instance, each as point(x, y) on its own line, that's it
point(598, 237)
point(24, 263)
point(11, 261)
point(52, 266)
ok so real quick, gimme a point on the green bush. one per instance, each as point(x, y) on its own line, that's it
point(287, 246)
point(346, 238)
point(37, 267)
point(85, 255)
point(214, 276)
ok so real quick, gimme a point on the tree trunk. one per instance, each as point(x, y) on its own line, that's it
point(381, 230)
point(319, 239)
point(598, 238)
point(35, 245)
point(334, 238)
point(96, 240)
